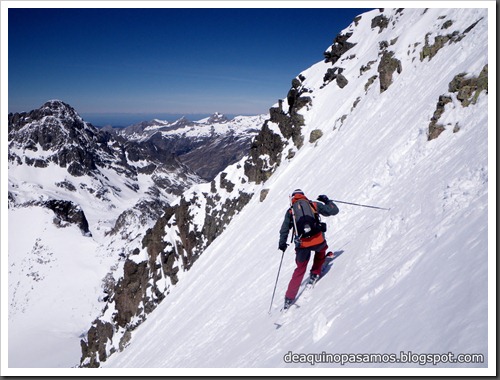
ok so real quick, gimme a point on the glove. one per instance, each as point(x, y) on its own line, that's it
point(282, 246)
point(323, 198)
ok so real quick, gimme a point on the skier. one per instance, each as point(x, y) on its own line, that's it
point(309, 236)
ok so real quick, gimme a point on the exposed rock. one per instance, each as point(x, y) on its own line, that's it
point(366, 67)
point(440, 41)
point(66, 185)
point(356, 102)
point(290, 123)
point(216, 222)
point(263, 194)
point(268, 144)
point(130, 291)
point(226, 184)
point(315, 135)
point(447, 24)
point(431, 50)
point(381, 21)
point(383, 45)
point(468, 89)
point(342, 81)
point(339, 47)
point(94, 348)
point(68, 213)
point(370, 82)
point(388, 64)
point(330, 75)
point(294, 97)
point(436, 129)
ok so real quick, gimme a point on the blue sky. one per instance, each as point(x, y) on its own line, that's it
point(116, 65)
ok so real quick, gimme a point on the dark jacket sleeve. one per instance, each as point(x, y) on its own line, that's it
point(327, 209)
point(285, 227)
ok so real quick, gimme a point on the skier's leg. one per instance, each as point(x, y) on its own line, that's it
point(301, 259)
point(319, 259)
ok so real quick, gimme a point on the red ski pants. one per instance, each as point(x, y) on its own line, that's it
point(302, 256)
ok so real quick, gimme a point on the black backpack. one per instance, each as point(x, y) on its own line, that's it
point(306, 219)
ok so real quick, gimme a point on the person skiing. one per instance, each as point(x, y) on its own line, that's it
point(303, 217)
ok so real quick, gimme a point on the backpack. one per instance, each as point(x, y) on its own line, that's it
point(306, 218)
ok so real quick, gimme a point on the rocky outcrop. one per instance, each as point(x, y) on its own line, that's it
point(94, 349)
point(469, 88)
point(436, 129)
point(339, 47)
point(430, 50)
point(387, 66)
point(466, 90)
point(335, 73)
point(315, 135)
point(265, 152)
point(381, 22)
point(67, 212)
point(290, 123)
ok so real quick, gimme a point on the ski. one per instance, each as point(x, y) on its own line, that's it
point(286, 314)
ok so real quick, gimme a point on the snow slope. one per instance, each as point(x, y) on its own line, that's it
point(52, 289)
point(412, 279)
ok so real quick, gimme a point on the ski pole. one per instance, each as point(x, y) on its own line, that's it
point(274, 291)
point(357, 204)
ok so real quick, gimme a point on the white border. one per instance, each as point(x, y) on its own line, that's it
point(491, 370)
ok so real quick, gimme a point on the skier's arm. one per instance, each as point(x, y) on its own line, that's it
point(328, 208)
point(285, 228)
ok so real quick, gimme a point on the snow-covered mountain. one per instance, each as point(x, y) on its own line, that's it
point(395, 116)
point(225, 141)
point(78, 197)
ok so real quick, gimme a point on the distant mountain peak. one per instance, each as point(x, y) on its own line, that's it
point(56, 104)
point(217, 118)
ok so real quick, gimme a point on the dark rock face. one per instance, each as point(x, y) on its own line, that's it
point(130, 291)
point(467, 90)
point(339, 47)
point(440, 41)
point(56, 127)
point(388, 64)
point(381, 22)
point(434, 128)
point(269, 144)
point(315, 135)
point(266, 144)
point(342, 81)
point(94, 349)
point(68, 212)
point(335, 73)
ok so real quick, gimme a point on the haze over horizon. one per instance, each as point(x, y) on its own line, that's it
point(120, 66)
